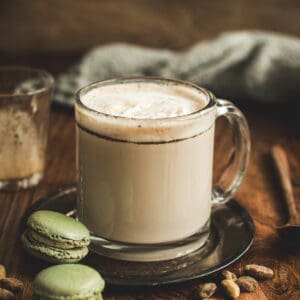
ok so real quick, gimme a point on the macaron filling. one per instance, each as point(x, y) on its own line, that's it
point(66, 244)
point(52, 254)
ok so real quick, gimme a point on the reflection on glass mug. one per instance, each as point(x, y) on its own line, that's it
point(144, 165)
point(25, 98)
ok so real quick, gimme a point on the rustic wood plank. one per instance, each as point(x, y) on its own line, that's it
point(259, 194)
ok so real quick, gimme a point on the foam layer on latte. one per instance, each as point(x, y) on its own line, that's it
point(147, 111)
point(144, 100)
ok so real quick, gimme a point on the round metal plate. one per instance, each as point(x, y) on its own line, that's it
point(232, 233)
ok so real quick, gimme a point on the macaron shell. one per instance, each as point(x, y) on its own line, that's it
point(50, 254)
point(38, 297)
point(58, 227)
point(72, 281)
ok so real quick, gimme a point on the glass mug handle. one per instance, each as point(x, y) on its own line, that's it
point(232, 176)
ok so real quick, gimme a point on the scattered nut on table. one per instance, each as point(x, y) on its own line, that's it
point(259, 272)
point(247, 283)
point(9, 286)
point(225, 274)
point(206, 290)
point(6, 295)
point(12, 284)
point(230, 288)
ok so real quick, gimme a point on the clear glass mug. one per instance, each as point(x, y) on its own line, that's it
point(25, 98)
point(145, 185)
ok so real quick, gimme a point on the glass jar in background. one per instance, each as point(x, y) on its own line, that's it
point(25, 98)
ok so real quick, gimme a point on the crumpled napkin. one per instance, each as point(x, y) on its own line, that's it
point(253, 65)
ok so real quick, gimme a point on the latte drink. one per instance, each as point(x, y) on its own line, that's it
point(144, 160)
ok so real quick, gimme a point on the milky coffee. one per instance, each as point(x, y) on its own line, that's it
point(144, 162)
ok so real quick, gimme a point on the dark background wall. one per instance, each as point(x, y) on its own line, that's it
point(66, 28)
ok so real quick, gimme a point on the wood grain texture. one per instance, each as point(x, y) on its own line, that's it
point(259, 194)
point(53, 34)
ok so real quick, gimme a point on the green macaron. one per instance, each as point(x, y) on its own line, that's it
point(55, 238)
point(68, 282)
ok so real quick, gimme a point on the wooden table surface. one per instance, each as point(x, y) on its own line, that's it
point(259, 192)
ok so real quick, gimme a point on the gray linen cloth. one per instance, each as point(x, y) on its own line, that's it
point(254, 65)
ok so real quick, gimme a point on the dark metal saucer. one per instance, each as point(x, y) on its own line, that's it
point(232, 233)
